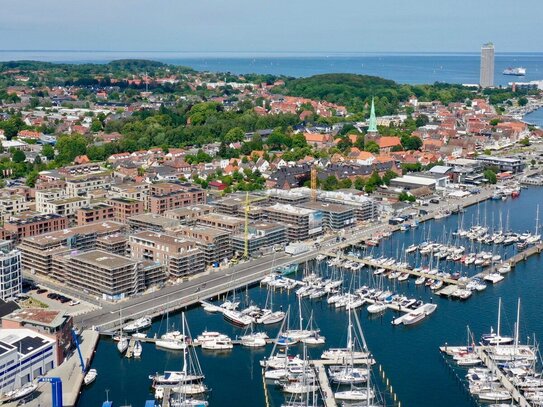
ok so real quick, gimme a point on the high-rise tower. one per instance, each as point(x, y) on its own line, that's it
point(372, 127)
point(487, 66)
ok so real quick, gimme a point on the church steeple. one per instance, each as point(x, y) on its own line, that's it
point(372, 128)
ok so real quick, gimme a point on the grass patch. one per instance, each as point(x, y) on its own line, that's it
point(33, 303)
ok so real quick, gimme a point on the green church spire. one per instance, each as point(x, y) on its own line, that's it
point(373, 121)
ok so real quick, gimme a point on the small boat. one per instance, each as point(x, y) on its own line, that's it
point(254, 340)
point(421, 280)
point(496, 395)
point(377, 308)
point(122, 345)
point(138, 324)
point(90, 377)
point(21, 392)
point(355, 394)
point(138, 349)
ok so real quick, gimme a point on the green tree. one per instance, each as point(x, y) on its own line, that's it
point(31, 178)
point(330, 183)
point(18, 156)
point(69, 147)
point(389, 175)
point(345, 183)
point(372, 147)
point(490, 176)
point(359, 183)
point(525, 142)
point(522, 101)
point(48, 152)
point(422, 120)
point(234, 135)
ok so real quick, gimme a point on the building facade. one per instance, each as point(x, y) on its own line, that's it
point(486, 79)
point(10, 271)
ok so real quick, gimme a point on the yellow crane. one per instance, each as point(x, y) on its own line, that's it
point(247, 209)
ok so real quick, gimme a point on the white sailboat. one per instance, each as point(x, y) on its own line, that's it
point(187, 382)
point(122, 345)
point(301, 333)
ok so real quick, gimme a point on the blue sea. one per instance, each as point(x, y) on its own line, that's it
point(409, 68)
point(409, 357)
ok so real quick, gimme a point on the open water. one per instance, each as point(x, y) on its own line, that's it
point(403, 68)
point(409, 356)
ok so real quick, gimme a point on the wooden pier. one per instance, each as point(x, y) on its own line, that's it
point(504, 380)
point(376, 265)
point(327, 393)
point(514, 260)
point(489, 363)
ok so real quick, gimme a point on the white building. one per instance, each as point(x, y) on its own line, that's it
point(10, 271)
point(25, 355)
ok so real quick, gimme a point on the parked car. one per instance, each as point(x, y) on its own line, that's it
point(41, 291)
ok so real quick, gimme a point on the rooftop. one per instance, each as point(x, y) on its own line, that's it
point(104, 260)
point(37, 316)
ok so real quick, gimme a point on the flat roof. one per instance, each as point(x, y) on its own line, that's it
point(328, 207)
point(154, 219)
point(24, 341)
point(502, 159)
point(38, 316)
point(105, 260)
point(286, 208)
point(61, 235)
point(409, 179)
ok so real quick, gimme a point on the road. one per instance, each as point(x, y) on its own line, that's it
point(218, 282)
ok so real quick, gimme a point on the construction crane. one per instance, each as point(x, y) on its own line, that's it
point(313, 184)
point(247, 210)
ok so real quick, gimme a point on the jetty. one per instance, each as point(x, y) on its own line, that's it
point(414, 273)
point(483, 353)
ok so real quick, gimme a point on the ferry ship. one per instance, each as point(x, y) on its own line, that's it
point(519, 71)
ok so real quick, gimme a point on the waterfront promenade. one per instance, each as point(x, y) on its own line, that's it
point(217, 282)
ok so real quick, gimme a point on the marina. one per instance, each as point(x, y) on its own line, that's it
point(376, 327)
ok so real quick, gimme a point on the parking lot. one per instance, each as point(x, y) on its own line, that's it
point(55, 300)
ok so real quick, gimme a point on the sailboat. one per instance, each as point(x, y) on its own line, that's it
point(138, 349)
point(347, 373)
point(122, 345)
point(536, 237)
point(188, 381)
point(268, 316)
point(315, 338)
point(366, 394)
point(172, 339)
point(301, 333)
point(493, 338)
point(342, 354)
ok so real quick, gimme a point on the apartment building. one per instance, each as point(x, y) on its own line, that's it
point(106, 274)
point(32, 225)
point(234, 205)
point(152, 221)
point(261, 235)
point(82, 185)
point(216, 244)
point(137, 192)
point(46, 195)
point(94, 213)
point(167, 196)
point(189, 214)
point(181, 256)
point(334, 216)
point(37, 251)
point(215, 220)
point(11, 205)
point(65, 206)
point(301, 223)
point(124, 208)
point(10, 271)
point(116, 244)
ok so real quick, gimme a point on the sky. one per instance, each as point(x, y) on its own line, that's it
point(269, 26)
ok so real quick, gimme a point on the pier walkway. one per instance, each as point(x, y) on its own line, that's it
point(489, 363)
point(376, 265)
point(327, 393)
point(514, 260)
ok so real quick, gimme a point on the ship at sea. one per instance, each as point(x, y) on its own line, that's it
point(519, 71)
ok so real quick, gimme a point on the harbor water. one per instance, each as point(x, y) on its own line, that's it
point(409, 355)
